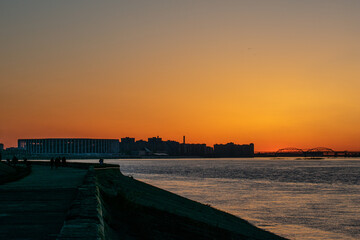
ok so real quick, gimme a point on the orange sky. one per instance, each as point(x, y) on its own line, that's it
point(276, 73)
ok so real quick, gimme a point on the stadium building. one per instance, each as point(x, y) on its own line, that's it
point(69, 146)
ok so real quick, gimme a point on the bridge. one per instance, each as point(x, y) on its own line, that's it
point(314, 152)
point(290, 151)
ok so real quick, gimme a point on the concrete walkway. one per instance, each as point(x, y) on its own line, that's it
point(35, 206)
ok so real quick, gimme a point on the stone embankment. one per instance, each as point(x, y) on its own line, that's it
point(136, 210)
point(84, 219)
point(83, 202)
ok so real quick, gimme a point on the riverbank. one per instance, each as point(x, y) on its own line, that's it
point(136, 210)
point(92, 201)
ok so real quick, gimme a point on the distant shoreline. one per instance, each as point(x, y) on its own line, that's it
point(35, 158)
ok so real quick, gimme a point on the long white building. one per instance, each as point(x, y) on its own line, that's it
point(69, 146)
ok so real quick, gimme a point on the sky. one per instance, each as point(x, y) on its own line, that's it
point(277, 73)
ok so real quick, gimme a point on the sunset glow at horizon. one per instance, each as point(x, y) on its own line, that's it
point(274, 73)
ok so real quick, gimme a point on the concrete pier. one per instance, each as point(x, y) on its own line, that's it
point(35, 207)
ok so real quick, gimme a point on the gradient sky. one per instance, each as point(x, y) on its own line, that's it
point(277, 73)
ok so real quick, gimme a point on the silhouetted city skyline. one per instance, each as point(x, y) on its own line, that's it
point(126, 146)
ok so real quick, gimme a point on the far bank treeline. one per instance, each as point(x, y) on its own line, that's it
point(125, 148)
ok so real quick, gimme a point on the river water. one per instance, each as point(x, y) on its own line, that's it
point(294, 198)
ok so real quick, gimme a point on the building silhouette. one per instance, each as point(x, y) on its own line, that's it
point(195, 149)
point(233, 150)
point(126, 147)
point(69, 146)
